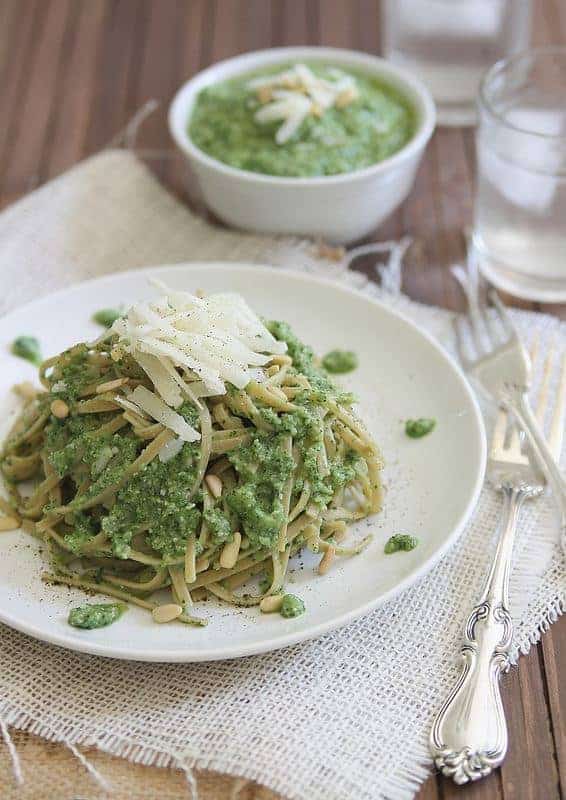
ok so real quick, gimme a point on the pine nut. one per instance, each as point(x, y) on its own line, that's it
point(292, 82)
point(264, 94)
point(166, 613)
point(326, 561)
point(214, 485)
point(330, 253)
point(346, 97)
point(202, 564)
point(26, 390)
point(230, 551)
point(271, 603)
point(59, 409)
point(9, 524)
point(109, 386)
point(282, 359)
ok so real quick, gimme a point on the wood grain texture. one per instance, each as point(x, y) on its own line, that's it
point(72, 73)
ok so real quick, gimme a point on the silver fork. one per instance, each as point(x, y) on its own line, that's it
point(500, 364)
point(469, 736)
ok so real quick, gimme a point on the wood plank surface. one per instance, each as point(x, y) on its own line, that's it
point(72, 74)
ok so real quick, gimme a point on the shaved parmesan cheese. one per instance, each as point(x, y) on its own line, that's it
point(160, 411)
point(294, 94)
point(161, 379)
point(170, 449)
point(181, 338)
point(129, 406)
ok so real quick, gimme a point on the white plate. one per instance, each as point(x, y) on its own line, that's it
point(432, 483)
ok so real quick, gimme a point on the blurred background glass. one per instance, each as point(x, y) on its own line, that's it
point(519, 237)
point(449, 44)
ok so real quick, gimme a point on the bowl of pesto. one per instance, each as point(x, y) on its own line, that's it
point(304, 140)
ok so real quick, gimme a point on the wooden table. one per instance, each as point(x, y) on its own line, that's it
point(72, 73)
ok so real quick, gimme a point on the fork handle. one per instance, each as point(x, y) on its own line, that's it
point(518, 402)
point(469, 736)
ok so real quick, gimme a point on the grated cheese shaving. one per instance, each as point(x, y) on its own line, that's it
point(296, 93)
point(160, 411)
point(170, 449)
point(191, 347)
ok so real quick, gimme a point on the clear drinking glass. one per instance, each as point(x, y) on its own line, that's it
point(450, 43)
point(519, 237)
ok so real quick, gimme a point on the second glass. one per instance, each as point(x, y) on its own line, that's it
point(519, 237)
point(450, 43)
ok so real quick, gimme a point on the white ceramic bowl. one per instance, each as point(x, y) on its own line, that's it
point(339, 208)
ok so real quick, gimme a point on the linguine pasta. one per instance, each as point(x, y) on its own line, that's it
point(129, 508)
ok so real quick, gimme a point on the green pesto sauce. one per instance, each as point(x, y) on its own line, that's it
point(292, 606)
point(373, 127)
point(417, 428)
point(155, 499)
point(27, 347)
point(340, 361)
point(303, 359)
point(400, 541)
point(95, 615)
point(218, 525)
point(264, 467)
point(75, 374)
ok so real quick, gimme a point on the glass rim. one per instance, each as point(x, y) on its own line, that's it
point(499, 67)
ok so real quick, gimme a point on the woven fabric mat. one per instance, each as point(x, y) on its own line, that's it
point(345, 717)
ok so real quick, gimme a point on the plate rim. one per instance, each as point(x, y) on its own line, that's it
point(288, 639)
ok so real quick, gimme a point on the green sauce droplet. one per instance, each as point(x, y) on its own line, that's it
point(106, 317)
point(340, 361)
point(417, 428)
point(96, 615)
point(292, 606)
point(27, 347)
point(400, 541)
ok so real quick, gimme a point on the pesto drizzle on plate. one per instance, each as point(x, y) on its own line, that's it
point(400, 541)
point(28, 348)
point(95, 615)
point(417, 428)
point(340, 361)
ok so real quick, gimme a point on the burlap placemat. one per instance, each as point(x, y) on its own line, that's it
point(346, 716)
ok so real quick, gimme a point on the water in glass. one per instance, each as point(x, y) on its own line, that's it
point(520, 216)
point(449, 44)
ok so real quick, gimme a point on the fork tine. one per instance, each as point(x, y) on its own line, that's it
point(503, 314)
point(463, 351)
point(499, 431)
point(542, 401)
point(534, 348)
point(465, 280)
point(493, 334)
point(473, 313)
point(556, 435)
point(515, 443)
point(516, 438)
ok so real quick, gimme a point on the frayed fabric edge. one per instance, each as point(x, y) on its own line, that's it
point(401, 785)
point(405, 782)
